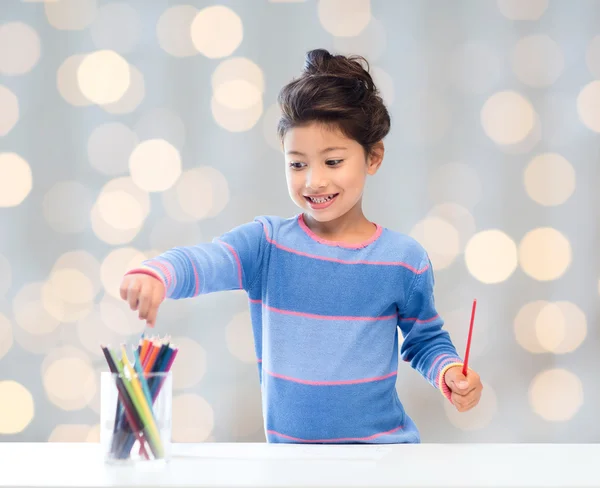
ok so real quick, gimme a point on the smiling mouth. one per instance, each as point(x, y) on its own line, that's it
point(321, 199)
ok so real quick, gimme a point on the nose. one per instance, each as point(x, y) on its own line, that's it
point(315, 178)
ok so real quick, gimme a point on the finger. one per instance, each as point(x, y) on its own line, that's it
point(151, 318)
point(468, 405)
point(145, 301)
point(466, 391)
point(124, 287)
point(133, 294)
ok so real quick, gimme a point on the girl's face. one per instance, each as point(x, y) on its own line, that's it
point(326, 171)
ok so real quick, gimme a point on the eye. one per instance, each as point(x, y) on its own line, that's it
point(296, 165)
point(334, 162)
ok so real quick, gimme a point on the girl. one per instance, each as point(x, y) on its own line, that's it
point(328, 289)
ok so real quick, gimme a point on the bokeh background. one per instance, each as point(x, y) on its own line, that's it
point(127, 128)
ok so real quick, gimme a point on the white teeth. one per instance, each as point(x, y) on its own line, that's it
point(321, 200)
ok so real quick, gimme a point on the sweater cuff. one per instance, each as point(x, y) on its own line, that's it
point(441, 380)
point(150, 272)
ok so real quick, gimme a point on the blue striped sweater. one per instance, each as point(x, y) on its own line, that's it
point(325, 318)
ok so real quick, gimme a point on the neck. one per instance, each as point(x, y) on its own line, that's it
point(351, 223)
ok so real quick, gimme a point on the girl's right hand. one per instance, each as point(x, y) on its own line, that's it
point(144, 293)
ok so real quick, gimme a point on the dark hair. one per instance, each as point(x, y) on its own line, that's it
point(339, 91)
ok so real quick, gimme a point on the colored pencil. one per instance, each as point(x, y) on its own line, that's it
point(466, 363)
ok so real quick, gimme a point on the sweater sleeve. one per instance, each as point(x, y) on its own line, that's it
point(427, 346)
point(232, 261)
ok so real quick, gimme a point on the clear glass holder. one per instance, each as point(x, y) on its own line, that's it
point(136, 417)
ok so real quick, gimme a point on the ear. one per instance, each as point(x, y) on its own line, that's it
point(375, 158)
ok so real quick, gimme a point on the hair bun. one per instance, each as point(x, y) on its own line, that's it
point(316, 61)
point(320, 62)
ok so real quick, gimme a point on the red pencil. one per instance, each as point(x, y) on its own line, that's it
point(466, 364)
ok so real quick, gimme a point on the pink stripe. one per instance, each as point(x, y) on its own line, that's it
point(342, 261)
point(434, 363)
point(237, 259)
point(323, 317)
point(197, 278)
point(165, 270)
point(330, 383)
point(312, 235)
point(342, 439)
point(419, 321)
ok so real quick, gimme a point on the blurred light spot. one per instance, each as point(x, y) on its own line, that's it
point(475, 67)
point(520, 10)
point(426, 118)
point(507, 117)
point(69, 378)
point(103, 77)
point(439, 238)
point(193, 418)
point(72, 286)
point(117, 316)
point(269, 125)
point(455, 182)
point(592, 57)
point(190, 366)
point(6, 335)
point(544, 254)
point(120, 210)
point(556, 395)
point(561, 327)
point(344, 18)
point(29, 311)
point(491, 256)
point(549, 179)
point(200, 193)
point(174, 30)
point(457, 216)
point(67, 207)
point(92, 331)
point(588, 105)
point(71, 14)
point(240, 339)
point(385, 84)
point(110, 146)
point(15, 179)
point(107, 232)
point(236, 120)
point(287, 1)
point(526, 145)
point(115, 265)
point(247, 421)
point(537, 60)
point(5, 275)
point(20, 48)
point(66, 81)
point(133, 96)
point(70, 433)
point(117, 26)
point(477, 418)
point(9, 110)
point(525, 326)
point(85, 263)
point(161, 123)
point(238, 84)
point(217, 31)
point(369, 43)
point(93, 434)
point(168, 233)
point(155, 165)
point(16, 414)
point(53, 294)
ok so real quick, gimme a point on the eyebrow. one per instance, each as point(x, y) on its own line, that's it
point(326, 150)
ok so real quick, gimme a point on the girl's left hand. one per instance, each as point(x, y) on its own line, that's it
point(466, 390)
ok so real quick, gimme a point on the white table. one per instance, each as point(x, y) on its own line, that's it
point(285, 465)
